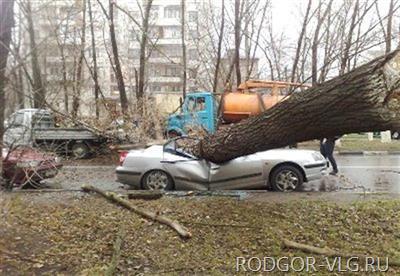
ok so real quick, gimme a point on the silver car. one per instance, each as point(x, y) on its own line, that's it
point(170, 167)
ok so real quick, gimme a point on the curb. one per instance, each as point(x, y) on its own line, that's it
point(368, 153)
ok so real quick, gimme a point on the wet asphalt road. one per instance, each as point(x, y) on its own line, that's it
point(375, 173)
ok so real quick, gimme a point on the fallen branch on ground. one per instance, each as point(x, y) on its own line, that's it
point(326, 251)
point(144, 213)
point(111, 270)
point(145, 195)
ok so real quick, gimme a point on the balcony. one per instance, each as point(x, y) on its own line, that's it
point(165, 79)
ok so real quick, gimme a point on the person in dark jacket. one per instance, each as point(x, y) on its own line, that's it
point(327, 146)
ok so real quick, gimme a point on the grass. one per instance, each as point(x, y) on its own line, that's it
point(356, 142)
point(74, 234)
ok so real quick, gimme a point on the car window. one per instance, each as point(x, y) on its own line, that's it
point(179, 147)
point(191, 104)
point(200, 104)
point(16, 120)
point(42, 121)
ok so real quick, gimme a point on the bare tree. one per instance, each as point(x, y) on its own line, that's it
point(347, 44)
point(388, 38)
point(39, 91)
point(219, 47)
point(94, 57)
point(317, 39)
point(117, 65)
point(6, 24)
point(79, 71)
point(184, 66)
point(143, 44)
point(300, 41)
point(237, 40)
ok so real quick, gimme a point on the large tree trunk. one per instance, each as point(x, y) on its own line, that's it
point(39, 91)
point(117, 65)
point(6, 23)
point(365, 99)
point(143, 44)
point(184, 66)
point(94, 57)
point(79, 72)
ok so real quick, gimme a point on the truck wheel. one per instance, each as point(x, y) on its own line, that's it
point(80, 150)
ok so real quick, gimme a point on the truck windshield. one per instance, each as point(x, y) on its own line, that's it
point(42, 121)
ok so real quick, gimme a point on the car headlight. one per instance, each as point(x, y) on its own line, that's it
point(28, 164)
point(317, 156)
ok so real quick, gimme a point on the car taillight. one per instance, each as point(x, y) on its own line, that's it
point(122, 157)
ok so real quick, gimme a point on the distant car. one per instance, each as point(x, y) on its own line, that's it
point(26, 165)
point(170, 167)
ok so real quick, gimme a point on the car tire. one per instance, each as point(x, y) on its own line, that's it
point(286, 178)
point(80, 150)
point(157, 180)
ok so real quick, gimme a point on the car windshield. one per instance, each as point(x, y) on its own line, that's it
point(180, 147)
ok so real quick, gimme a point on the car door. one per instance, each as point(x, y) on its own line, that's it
point(188, 173)
point(241, 173)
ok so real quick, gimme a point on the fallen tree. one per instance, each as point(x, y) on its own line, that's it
point(365, 99)
point(182, 231)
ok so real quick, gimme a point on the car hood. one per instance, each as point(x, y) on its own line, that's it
point(26, 154)
point(290, 154)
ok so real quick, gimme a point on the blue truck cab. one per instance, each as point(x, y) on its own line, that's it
point(199, 109)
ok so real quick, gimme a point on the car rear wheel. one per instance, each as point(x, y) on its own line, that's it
point(286, 178)
point(157, 180)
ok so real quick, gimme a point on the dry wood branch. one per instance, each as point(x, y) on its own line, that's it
point(111, 270)
point(326, 251)
point(145, 195)
point(144, 213)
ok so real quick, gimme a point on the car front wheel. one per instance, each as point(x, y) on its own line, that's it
point(286, 178)
point(157, 180)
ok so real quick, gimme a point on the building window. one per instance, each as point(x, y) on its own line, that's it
point(172, 32)
point(172, 71)
point(192, 54)
point(192, 16)
point(154, 12)
point(172, 12)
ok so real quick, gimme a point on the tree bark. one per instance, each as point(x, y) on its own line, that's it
point(6, 24)
point(362, 100)
point(39, 91)
point(143, 44)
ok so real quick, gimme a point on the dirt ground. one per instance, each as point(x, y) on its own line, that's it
point(69, 233)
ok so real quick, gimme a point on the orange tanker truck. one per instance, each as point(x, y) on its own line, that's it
point(251, 98)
